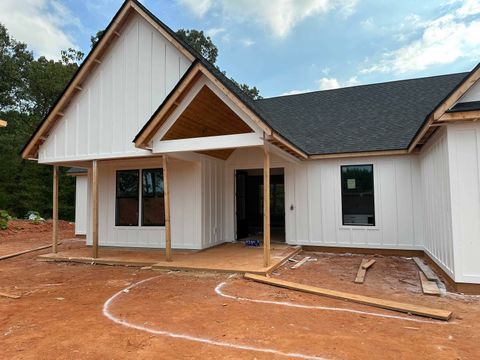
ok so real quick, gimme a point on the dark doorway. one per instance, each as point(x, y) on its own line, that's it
point(249, 204)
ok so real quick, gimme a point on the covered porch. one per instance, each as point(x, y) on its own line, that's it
point(228, 257)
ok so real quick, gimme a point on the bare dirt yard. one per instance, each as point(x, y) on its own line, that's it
point(77, 311)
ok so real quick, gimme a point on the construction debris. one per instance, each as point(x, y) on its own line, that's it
point(301, 262)
point(428, 287)
point(10, 296)
point(365, 300)
point(362, 270)
point(429, 274)
point(25, 252)
point(3, 123)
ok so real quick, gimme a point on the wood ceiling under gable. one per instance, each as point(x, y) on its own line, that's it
point(207, 115)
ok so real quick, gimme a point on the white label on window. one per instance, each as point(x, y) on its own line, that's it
point(351, 184)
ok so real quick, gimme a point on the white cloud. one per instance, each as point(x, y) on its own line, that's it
point(280, 16)
point(443, 40)
point(40, 24)
point(214, 32)
point(247, 42)
point(326, 83)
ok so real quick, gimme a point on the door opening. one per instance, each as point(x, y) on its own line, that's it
point(249, 204)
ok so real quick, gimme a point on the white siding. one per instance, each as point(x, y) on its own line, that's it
point(464, 152)
point(118, 97)
point(81, 205)
point(435, 188)
point(185, 207)
point(318, 209)
point(473, 94)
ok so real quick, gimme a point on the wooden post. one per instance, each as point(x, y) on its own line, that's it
point(55, 210)
point(166, 193)
point(94, 209)
point(266, 205)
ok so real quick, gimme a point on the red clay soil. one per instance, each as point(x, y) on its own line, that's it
point(23, 235)
point(59, 314)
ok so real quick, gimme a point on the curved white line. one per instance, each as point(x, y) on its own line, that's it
point(219, 292)
point(108, 314)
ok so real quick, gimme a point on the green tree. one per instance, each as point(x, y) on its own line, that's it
point(94, 39)
point(28, 88)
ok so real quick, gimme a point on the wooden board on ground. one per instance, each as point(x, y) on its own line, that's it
point(301, 262)
point(10, 296)
point(368, 264)
point(429, 274)
point(362, 271)
point(365, 300)
point(429, 287)
point(25, 252)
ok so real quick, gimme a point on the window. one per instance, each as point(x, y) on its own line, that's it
point(127, 198)
point(358, 207)
point(153, 205)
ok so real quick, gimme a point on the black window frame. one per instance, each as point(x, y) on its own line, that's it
point(142, 197)
point(117, 197)
point(342, 194)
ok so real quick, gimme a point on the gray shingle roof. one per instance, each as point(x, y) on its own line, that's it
point(383, 116)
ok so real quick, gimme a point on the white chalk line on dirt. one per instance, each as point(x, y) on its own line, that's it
point(218, 291)
point(116, 320)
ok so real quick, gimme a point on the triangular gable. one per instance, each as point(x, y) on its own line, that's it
point(442, 113)
point(93, 59)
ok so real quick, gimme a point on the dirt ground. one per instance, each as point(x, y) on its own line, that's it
point(76, 311)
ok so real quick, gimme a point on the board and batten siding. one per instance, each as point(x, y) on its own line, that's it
point(318, 205)
point(436, 201)
point(119, 96)
point(81, 211)
point(185, 206)
point(464, 160)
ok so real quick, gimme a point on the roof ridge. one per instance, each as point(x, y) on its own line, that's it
point(361, 85)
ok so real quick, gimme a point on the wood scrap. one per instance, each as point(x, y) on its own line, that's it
point(25, 252)
point(362, 271)
point(365, 300)
point(368, 264)
point(3, 123)
point(429, 274)
point(10, 296)
point(301, 262)
point(429, 287)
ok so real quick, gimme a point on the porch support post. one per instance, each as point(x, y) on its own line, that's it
point(94, 209)
point(266, 205)
point(166, 193)
point(55, 210)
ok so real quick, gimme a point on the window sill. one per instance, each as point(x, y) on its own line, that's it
point(362, 227)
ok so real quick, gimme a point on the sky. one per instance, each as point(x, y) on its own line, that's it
point(283, 46)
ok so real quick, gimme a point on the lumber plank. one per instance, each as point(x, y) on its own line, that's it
point(368, 264)
point(8, 256)
point(429, 287)
point(360, 299)
point(301, 262)
point(429, 274)
point(362, 271)
point(10, 296)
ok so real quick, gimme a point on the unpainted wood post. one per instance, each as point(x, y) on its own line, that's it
point(55, 210)
point(94, 209)
point(166, 193)
point(266, 206)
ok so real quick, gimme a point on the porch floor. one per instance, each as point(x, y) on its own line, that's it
point(228, 257)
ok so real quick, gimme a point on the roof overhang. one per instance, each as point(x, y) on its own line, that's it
point(195, 74)
point(94, 58)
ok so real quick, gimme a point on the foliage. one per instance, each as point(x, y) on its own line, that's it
point(94, 39)
point(28, 88)
point(34, 216)
point(205, 47)
point(4, 219)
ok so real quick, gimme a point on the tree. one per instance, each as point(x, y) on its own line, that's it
point(94, 39)
point(204, 46)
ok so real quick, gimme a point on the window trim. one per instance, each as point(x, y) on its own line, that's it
point(375, 220)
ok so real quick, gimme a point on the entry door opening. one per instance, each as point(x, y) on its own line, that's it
point(249, 204)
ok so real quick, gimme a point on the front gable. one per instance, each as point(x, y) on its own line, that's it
point(138, 68)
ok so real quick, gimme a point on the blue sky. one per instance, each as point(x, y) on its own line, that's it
point(284, 46)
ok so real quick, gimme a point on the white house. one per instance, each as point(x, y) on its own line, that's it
point(177, 155)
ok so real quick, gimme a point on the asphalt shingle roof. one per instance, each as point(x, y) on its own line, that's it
point(383, 116)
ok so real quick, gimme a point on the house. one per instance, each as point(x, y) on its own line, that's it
point(178, 156)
